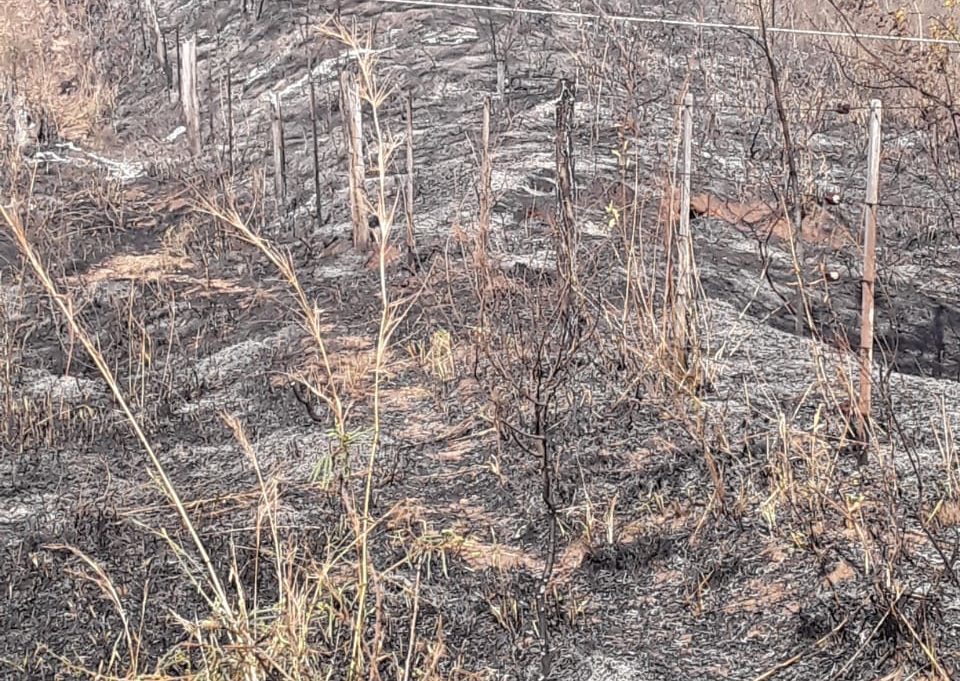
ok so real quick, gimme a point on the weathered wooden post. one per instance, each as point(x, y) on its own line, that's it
point(501, 78)
point(566, 183)
point(167, 68)
point(486, 185)
point(279, 152)
point(230, 117)
point(318, 201)
point(159, 43)
point(179, 60)
point(353, 132)
point(685, 334)
point(408, 204)
point(210, 108)
point(189, 101)
point(869, 271)
point(142, 30)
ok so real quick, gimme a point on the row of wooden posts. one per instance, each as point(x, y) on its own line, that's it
point(679, 239)
point(685, 328)
point(350, 106)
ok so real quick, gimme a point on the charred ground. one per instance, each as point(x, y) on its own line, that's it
point(724, 531)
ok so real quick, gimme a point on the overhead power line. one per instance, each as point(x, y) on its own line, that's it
point(679, 23)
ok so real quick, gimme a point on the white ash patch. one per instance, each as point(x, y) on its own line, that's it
point(423, 224)
point(227, 373)
point(12, 302)
point(910, 140)
point(539, 261)
point(752, 348)
point(63, 389)
point(233, 362)
point(298, 453)
point(594, 228)
point(605, 668)
point(264, 68)
point(926, 408)
point(346, 265)
point(322, 70)
point(199, 465)
point(109, 293)
point(16, 509)
point(68, 153)
point(291, 453)
point(825, 143)
point(450, 36)
point(514, 173)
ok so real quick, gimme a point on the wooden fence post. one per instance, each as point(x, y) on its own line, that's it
point(158, 40)
point(408, 204)
point(318, 202)
point(566, 183)
point(869, 271)
point(486, 185)
point(189, 101)
point(353, 131)
point(685, 334)
point(501, 78)
point(143, 31)
point(279, 152)
point(209, 97)
point(179, 60)
point(230, 117)
point(167, 69)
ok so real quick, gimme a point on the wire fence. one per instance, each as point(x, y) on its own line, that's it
point(667, 22)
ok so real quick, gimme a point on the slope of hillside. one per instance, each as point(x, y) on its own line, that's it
point(502, 476)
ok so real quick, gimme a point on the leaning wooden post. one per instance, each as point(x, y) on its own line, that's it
point(353, 131)
point(279, 152)
point(486, 185)
point(869, 270)
point(189, 101)
point(566, 183)
point(408, 204)
point(685, 319)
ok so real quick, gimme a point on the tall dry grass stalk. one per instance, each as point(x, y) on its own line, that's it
point(384, 206)
point(212, 589)
point(376, 93)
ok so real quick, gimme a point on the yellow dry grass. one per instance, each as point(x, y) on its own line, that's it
point(46, 57)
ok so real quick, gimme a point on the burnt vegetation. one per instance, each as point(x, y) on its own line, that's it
point(381, 341)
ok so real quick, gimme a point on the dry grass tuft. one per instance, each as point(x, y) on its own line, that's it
point(47, 63)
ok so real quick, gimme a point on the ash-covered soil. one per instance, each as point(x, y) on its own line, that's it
point(722, 535)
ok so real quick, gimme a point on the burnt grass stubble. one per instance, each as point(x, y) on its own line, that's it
point(695, 589)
